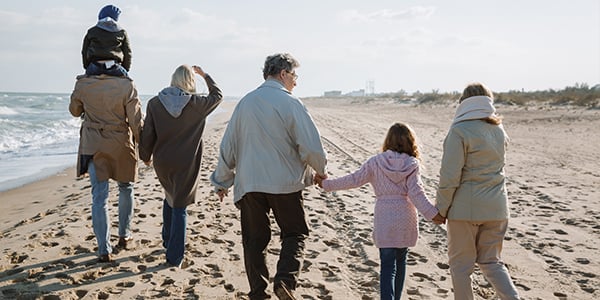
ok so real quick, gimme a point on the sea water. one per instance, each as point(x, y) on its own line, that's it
point(38, 136)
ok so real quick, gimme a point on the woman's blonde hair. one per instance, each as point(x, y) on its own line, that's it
point(184, 78)
point(479, 89)
point(402, 139)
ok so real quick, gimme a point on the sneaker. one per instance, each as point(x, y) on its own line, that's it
point(283, 292)
point(104, 258)
point(168, 264)
point(123, 241)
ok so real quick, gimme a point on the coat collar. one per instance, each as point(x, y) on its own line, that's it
point(272, 83)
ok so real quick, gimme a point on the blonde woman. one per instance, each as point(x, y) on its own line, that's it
point(472, 193)
point(172, 139)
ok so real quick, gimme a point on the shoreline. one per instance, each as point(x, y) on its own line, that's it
point(49, 171)
point(48, 244)
point(41, 175)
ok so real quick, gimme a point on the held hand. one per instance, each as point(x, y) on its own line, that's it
point(318, 180)
point(438, 219)
point(222, 194)
point(148, 163)
point(199, 70)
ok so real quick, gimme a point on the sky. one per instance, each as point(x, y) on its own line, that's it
point(345, 45)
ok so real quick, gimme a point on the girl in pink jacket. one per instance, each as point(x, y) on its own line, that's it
point(394, 175)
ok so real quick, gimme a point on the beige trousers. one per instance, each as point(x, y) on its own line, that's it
point(478, 242)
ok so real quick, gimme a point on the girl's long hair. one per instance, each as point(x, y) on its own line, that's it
point(402, 139)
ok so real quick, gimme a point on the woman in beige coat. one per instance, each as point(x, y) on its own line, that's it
point(112, 120)
point(472, 194)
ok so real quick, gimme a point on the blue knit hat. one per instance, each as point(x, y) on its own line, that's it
point(109, 11)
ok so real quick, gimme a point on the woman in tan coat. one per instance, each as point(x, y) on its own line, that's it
point(472, 194)
point(172, 139)
point(112, 120)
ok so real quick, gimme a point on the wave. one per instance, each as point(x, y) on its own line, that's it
point(19, 136)
point(7, 111)
point(37, 132)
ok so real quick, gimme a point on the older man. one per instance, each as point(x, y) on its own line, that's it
point(268, 148)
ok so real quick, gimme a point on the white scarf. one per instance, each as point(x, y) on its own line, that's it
point(473, 108)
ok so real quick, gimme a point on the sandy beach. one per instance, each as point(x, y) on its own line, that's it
point(551, 249)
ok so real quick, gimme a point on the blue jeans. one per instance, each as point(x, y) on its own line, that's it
point(100, 215)
point(173, 232)
point(393, 270)
point(95, 68)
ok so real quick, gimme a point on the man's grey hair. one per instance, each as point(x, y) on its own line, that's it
point(275, 63)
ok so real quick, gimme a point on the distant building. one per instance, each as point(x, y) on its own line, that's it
point(359, 93)
point(370, 88)
point(332, 94)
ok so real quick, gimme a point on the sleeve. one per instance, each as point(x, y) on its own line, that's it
point(148, 136)
point(224, 176)
point(84, 48)
point(133, 109)
point(76, 105)
point(208, 104)
point(453, 160)
point(416, 194)
point(126, 52)
point(356, 179)
point(308, 139)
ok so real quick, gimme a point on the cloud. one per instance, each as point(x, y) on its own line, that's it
point(184, 26)
point(387, 15)
point(10, 20)
point(40, 35)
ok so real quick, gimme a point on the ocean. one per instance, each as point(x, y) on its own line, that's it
point(39, 137)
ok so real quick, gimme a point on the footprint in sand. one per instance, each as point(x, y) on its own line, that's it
point(443, 266)
point(582, 260)
point(306, 265)
point(329, 272)
point(213, 270)
point(414, 258)
point(127, 284)
point(16, 258)
point(422, 277)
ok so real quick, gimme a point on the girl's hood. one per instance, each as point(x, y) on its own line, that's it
point(396, 166)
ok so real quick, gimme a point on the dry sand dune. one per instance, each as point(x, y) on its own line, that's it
point(551, 249)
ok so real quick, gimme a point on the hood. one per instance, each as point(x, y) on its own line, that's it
point(174, 100)
point(109, 24)
point(472, 108)
point(396, 166)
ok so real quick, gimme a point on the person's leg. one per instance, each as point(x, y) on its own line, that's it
point(116, 70)
point(125, 209)
point(256, 234)
point(489, 251)
point(401, 254)
point(387, 273)
point(100, 216)
point(288, 210)
point(93, 69)
point(176, 247)
point(462, 254)
point(166, 228)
